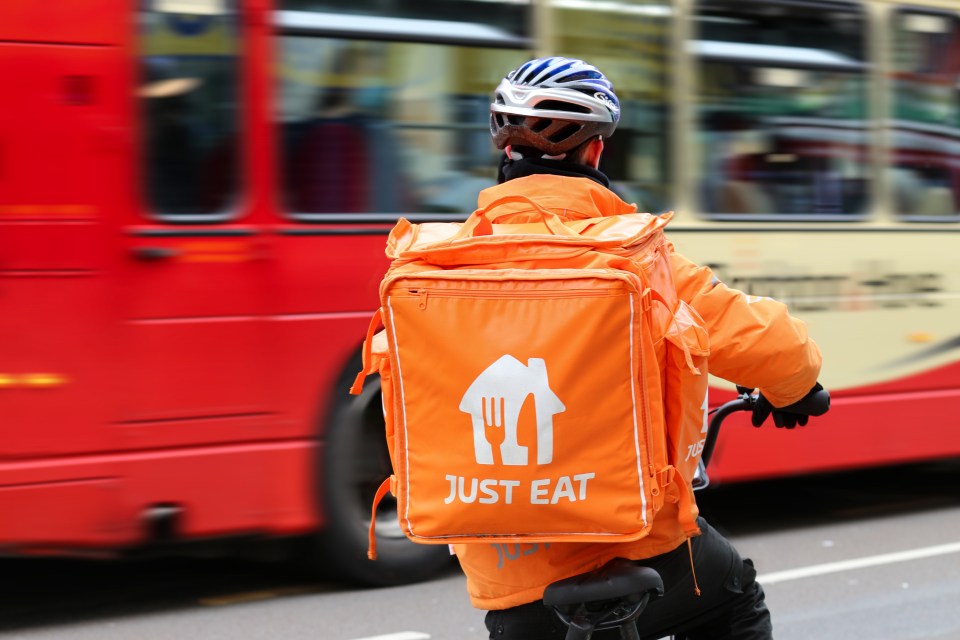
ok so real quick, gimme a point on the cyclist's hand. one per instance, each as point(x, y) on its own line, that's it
point(782, 417)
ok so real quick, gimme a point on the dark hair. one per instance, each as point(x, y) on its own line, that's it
point(578, 153)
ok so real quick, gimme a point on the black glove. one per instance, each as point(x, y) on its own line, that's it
point(784, 416)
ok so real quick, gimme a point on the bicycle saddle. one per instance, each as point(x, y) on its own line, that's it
point(618, 579)
point(605, 598)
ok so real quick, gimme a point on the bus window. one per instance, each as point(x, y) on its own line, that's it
point(629, 41)
point(189, 108)
point(782, 108)
point(380, 116)
point(926, 105)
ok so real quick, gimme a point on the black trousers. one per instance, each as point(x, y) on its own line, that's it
point(731, 605)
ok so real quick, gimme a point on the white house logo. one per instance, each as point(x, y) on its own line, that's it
point(495, 398)
point(494, 401)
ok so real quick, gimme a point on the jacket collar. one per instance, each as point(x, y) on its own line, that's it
point(513, 169)
point(572, 198)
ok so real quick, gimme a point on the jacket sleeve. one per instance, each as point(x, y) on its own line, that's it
point(754, 341)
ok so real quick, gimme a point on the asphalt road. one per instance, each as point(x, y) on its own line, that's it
point(872, 554)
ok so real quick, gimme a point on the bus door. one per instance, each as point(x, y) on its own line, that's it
point(59, 155)
point(192, 400)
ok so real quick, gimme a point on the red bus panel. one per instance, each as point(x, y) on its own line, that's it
point(65, 21)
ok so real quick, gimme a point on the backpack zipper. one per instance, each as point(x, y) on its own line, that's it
point(424, 293)
point(644, 307)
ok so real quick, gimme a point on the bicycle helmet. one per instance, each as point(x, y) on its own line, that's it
point(553, 104)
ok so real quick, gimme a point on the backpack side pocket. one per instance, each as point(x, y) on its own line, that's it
point(686, 384)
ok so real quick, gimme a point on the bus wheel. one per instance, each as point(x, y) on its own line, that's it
point(355, 461)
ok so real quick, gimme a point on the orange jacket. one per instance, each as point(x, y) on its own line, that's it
point(753, 342)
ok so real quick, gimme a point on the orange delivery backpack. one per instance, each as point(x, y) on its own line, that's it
point(527, 372)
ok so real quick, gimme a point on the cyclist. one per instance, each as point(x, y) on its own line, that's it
point(551, 117)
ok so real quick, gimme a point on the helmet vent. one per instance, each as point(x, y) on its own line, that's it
point(540, 124)
point(565, 132)
point(558, 105)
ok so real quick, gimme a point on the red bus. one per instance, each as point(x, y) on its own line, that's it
point(195, 195)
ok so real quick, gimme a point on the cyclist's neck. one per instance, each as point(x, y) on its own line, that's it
point(510, 169)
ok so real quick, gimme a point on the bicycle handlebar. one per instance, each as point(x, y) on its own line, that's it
point(814, 404)
point(744, 403)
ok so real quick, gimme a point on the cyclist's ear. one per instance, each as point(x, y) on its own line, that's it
point(591, 155)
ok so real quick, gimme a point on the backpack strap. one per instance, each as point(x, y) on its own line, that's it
point(479, 224)
point(385, 486)
point(367, 346)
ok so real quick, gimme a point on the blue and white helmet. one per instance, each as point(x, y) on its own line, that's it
point(553, 104)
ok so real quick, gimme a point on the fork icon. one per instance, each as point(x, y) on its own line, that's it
point(494, 435)
point(494, 401)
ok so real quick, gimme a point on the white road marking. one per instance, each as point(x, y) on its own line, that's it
point(858, 563)
point(781, 576)
point(403, 635)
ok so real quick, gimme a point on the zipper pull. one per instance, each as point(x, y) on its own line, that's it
point(423, 299)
